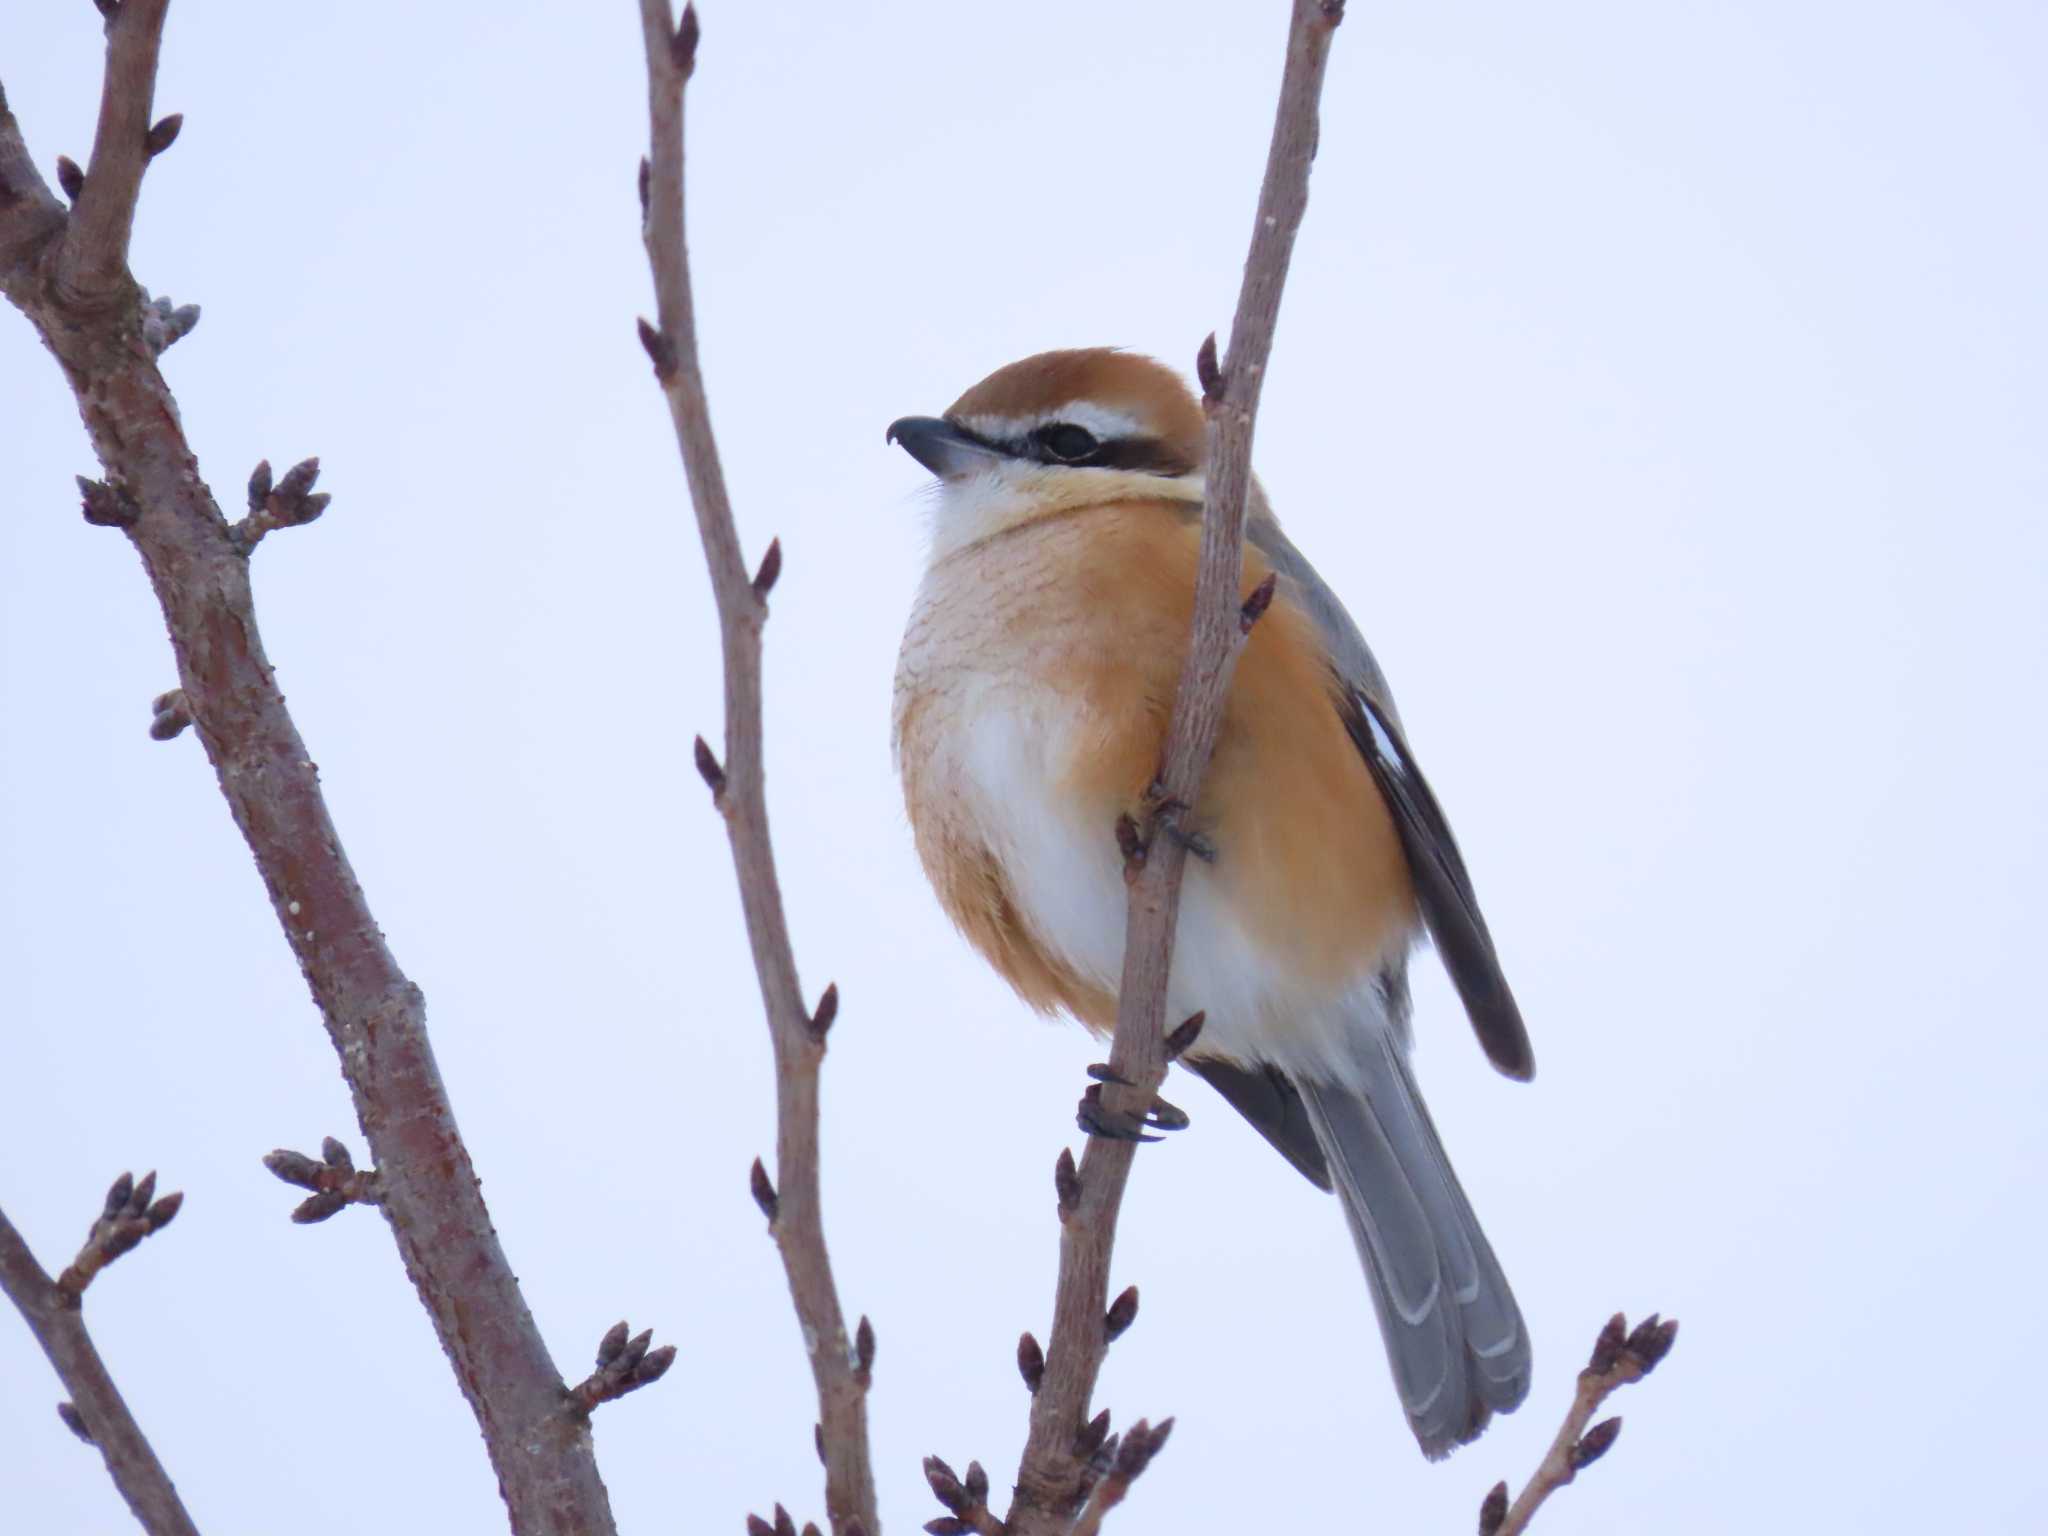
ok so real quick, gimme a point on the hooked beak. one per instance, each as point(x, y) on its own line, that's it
point(940, 446)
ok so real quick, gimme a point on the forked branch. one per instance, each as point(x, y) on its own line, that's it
point(67, 271)
point(840, 1364)
point(1050, 1478)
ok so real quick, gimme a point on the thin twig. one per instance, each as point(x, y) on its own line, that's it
point(199, 570)
point(837, 1364)
point(1620, 1356)
point(1050, 1471)
point(97, 1413)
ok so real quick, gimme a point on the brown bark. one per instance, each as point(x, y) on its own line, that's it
point(53, 1316)
point(839, 1367)
point(68, 274)
point(1050, 1476)
point(1620, 1356)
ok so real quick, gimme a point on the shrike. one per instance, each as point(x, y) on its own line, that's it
point(1032, 695)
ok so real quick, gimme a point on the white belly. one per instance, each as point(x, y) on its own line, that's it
point(997, 751)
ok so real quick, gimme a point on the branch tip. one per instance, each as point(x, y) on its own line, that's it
point(1493, 1509)
point(70, 177)
point(333, 1178)
point(946, 1485)
point(1652, 1340)
point(682, 49)
point(1092, 1435)
point(1030, 1363)
point(164, 324)
point(709, 770)
point(1130, 842)
point(1208, 373)
point(129, 1213)
point(259, 485)
point(1066, 1183)
point(1185, 1034)
point(764, 1193)
point(1595, 1443)
point(105, 505)
point(771, 568)
point(623, 1365)
point(864, 1352)
point(1608, 1346)
point(660, 351)
point(75, 1422)
point(162, 134)
point(1122, 1313)
point(828, 1010)
point(319, 1207)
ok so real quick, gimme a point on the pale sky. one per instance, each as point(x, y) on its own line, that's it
point(1661, 385)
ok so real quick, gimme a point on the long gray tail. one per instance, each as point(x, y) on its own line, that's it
point(1454, 1335)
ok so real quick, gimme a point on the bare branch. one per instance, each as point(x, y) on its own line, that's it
point(1620, 1356)
point(198, 568)
point(1050, 1472)
point(95, 1412)
point(840, 1367)
point(94, 256)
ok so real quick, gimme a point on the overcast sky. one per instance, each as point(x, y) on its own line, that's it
point(1662, 387)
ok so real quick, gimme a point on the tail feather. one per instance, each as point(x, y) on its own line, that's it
point(1454, 1335)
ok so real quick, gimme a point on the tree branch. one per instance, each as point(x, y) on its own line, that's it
point(97, 1413)
point(199, 570)
point(839, 1367)
point(1050, 1473)
point(1619, 1357)
point(94, 256)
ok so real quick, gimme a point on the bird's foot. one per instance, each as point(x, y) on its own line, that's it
point(1098, 1119)
point(1163, 814)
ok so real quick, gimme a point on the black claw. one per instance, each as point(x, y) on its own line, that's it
point(1098, 1119)
point(1103, 1072)
point(1167, 1117)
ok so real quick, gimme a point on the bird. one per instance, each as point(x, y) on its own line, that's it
point(1032, 695)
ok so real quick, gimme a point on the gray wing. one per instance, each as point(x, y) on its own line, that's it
point(1443, 886)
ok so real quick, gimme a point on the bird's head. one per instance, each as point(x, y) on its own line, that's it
point(1054, 432)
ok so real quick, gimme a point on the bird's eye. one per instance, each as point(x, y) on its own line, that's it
point(1067, 442)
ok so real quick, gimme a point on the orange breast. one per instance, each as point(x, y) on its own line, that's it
point(1091, 609)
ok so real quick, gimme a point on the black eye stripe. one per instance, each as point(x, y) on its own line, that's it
point(1148, 455)
point(1063, 442)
